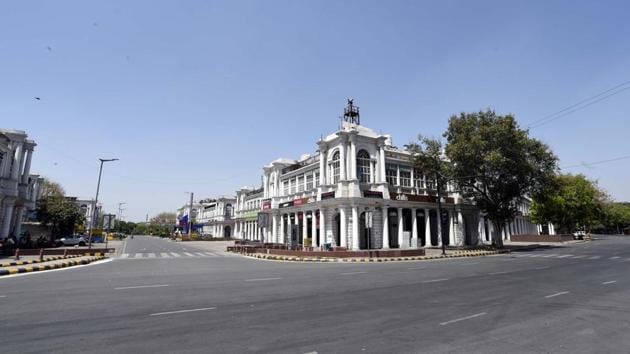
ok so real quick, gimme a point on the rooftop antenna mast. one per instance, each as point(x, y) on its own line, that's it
point(351, 113)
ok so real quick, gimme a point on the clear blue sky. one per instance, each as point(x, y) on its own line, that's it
point(199, 95)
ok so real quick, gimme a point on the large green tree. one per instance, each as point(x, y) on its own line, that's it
point(615, 216)
point(496, 164)
point(575, 203)
point(61, 213)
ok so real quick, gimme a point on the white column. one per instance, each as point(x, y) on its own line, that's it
point(372, 172)
point(382, 165)
point(355, 228)
point(314, 229)
point(322, 226)
point(398, 175)
point(21, 164)
point(342, 161)
point(343, 226)
point(16, 164)
point(353, 159)
point(6, 221)
point(401, 242)
point(414, 228)
point(27, 166)
point(304, 227)
point(451, 230)
point(385, 228)
point(281, 235)
point(427, 228)
point(19, 214)
point(322, 167)
point(274, 228)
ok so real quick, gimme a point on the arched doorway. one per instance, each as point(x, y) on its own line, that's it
point(392, 220)
point(227, 231)
point(336, 228)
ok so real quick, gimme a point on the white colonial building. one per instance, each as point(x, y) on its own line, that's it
point(359, 191)
point(217, 216)
point(19, 190)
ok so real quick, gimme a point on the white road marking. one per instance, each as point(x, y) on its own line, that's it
point(164, 255)
point(557, 294)
point(565, 256)
point(201, 254)
point(463, 318)
point(614, 257)
point(549, 255)
point(594, 257)
point(435, 280)
point(141, 286)
point(3, 296)
point(175, 254)
point(580, 256)
point(182, 311)
point(210, 254)
point(151, 255)
point(124, 255)
point(497, 273)
point(352, 273)
point(189, 254)
point(414, 268)
point(262, 279)
point(541, 268)
point(609, 282)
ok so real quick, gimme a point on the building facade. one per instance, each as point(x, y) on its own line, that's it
point(248, 206)
point(359, 191)
point(217, 217)
point(19, 190)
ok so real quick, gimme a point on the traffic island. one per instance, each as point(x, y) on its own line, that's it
point(52, 264)
point(327, 258)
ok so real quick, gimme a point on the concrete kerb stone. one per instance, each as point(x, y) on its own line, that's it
point(42, 267)
point(33, 261)
point(458, 254)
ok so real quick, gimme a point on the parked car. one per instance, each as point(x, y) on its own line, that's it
point(72, 240)
point(579, 235)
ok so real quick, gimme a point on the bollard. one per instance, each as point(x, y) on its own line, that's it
point(17, 254)
point(41, 254)
point(65, 253)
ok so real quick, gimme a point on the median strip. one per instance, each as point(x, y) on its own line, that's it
point(182, 311)
point(463, 318)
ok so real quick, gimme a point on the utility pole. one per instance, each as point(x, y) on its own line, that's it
point(190, 224)
point(98, 187)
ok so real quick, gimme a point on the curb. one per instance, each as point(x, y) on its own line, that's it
point(38, 268)
point(459, 254)
point(32, 261)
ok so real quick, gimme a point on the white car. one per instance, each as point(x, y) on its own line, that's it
point(73, 240)
point(579, 235)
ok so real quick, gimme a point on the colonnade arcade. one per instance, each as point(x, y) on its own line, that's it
point(345, 226)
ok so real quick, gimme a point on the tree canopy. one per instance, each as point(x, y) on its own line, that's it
point(496, 164)
point(575, 203)
point(61, 213)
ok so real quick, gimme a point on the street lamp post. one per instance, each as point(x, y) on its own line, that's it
point(98, 187)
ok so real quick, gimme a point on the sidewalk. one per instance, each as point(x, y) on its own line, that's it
point(9, 269)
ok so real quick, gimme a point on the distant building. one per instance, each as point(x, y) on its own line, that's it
point(19, 190)
point(217, 217)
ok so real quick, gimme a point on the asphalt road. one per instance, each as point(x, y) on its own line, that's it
point(572, 299)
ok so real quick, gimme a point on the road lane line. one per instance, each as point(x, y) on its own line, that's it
point(557, 294)
point(141, 286)
point(565, 256)
point(414, 268)
point(210, 254)
point(151, 255)
point(164, 255)
point(609, 282)
point(435, 280)
point(463, 318)
point(352, 273)
point(594, 257)
point(201, 254)
point(182, 311)
point(614, 257)
point(497, 273)
point(541, 268)
point(262, 279)
point(3, 296)
point(189, 254)
point(175, 254)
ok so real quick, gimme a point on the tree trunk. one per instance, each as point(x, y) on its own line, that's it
point(497, 238)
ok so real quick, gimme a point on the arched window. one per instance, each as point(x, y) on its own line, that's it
point(363, 166)
point(334, 167)
point(228, 210)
